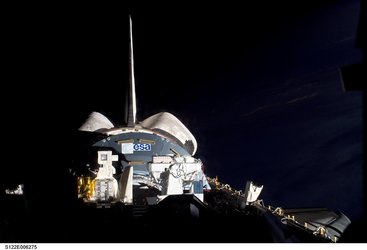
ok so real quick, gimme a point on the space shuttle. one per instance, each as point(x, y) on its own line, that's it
point(142, 182)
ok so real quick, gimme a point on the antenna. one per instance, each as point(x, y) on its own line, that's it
point(131, 99)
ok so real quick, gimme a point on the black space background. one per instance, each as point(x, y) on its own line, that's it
point(257, 83)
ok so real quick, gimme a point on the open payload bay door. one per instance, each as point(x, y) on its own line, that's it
point(167, 123)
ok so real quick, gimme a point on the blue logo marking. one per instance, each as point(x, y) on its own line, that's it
point(142, 147)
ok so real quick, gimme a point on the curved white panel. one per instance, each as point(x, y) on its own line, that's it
point(170, 124)
point(96, 121)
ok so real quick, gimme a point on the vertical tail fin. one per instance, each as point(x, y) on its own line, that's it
point(130, 118)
